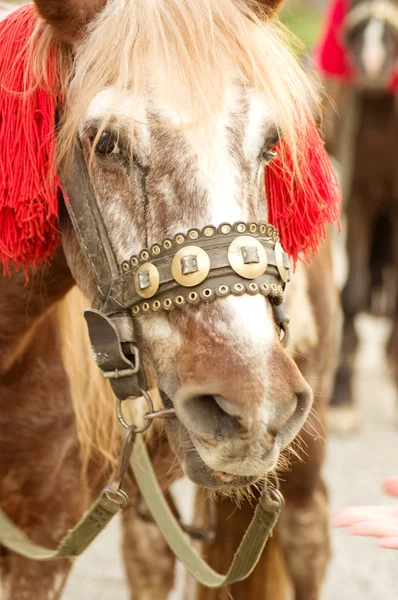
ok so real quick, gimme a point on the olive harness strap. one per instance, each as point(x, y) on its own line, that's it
point(104, 508)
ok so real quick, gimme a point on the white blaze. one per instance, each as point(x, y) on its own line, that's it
point(373, 50)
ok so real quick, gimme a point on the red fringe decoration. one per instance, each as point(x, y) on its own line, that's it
point(29, 184)
point(300, 205)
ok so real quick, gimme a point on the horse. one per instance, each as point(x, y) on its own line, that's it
point(169, 146)
point(363, 135)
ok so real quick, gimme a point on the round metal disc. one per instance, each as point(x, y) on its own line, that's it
point(152, 278)
point(283, 272)
point(202, 262)
point(236, 257)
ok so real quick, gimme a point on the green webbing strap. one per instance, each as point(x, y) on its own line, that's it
point(103, 509)
point(75, 541)
point(249, 550)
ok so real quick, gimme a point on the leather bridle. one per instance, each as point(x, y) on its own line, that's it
point(193, 267)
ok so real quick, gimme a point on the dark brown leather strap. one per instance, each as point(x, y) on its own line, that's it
point(87, 222)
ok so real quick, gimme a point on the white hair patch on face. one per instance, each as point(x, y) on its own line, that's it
point(373, 51)
point(252, 319)
point(259, 117)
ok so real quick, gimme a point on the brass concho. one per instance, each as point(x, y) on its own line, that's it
point(190, 266)
point(247, 256)
point(283, 272)
point(146, 280)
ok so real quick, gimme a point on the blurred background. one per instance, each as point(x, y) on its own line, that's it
point(363, 436)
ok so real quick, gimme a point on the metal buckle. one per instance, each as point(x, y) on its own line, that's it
point(119, 373)
point(274, 492)
point(118, 496)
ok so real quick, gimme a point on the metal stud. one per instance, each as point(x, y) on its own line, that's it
point(265, 288)
point(134, 261)
point(253, 227)
point(209, 231)
point(207, 294)
point(145, 307)
point(193, 234)
point(280, 290)
point(179, 238)
point(144, 280)
point(274, 288)
point(193, 298)
point(225, 228)
point(136, 310)
point(189, 278)
point(180, 300)
point(144, 255)
point(253, 287)
point(283, 272)
point(147, 280)
point(236, 258)
point(240, 227)
point(156, 249)
point(156, 305)
point(189, 264)
point(270, 231)
point(167, 244)
point(250, 255)
point(126, 266)
point(239, 289)
point(263, 229)
point(167, 304)
point(223, 289)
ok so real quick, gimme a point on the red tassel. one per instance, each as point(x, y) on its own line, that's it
point(301, 206)
point(29, 185)
point(331, 56)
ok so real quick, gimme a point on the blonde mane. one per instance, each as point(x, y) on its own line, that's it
point(92, 398)
point(196, 42)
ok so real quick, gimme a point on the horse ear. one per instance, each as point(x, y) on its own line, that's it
point(266, 7)
point(69, 18)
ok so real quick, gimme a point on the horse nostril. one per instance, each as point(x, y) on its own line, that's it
point(205, 416)
point(303, 401)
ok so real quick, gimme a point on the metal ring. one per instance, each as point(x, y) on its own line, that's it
point(276, 495)
point(133, 427)
point(111, 495)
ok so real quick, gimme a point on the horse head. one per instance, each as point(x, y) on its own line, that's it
point(177, 108)
point(371, 35)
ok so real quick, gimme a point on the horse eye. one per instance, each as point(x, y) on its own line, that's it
point(269, 155)
point(107, 145)
point(268, 152)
